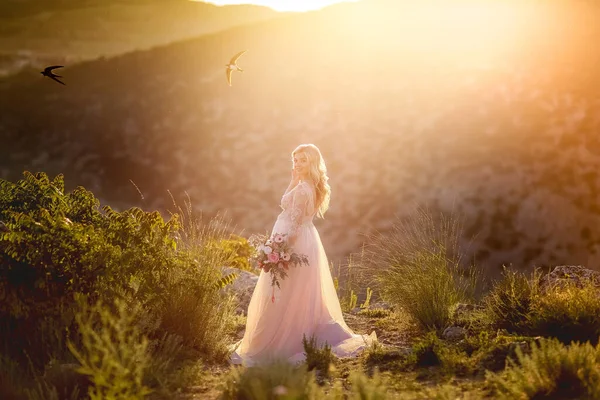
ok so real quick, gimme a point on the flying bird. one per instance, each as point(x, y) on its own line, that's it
point(232, 66)
point(48, 72)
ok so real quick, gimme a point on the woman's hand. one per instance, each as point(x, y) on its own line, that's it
point(295, 177)
point(293, 182)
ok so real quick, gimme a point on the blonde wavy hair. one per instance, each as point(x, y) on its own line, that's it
point(318, 175)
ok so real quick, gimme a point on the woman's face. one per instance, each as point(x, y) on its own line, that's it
point(301, 165)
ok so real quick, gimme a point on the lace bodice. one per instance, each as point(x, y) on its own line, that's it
point(299, 206)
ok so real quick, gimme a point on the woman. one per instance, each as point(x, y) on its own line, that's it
point(307, 303)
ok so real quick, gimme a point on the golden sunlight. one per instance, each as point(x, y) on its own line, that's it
point(281, 5)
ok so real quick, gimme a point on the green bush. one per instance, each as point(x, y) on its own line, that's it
point(238, 252)
point(568, 313)
point(490, 351)
point(62, 245)
point(551, 371)
point(51, 251)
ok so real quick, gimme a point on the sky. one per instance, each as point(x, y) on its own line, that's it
point(282, 5)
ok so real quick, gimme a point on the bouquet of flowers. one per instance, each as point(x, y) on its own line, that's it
point(274, 255)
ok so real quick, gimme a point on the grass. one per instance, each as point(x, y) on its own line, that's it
point(418, 267)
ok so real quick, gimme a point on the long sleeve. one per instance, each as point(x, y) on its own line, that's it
point(300, 202)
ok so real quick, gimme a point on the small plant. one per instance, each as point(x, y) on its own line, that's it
point(510, 301)
point(375, 312)
point(318, 358)
point(431, 351)
point(352, 301)
point(379, 358)
point(368, 298)
point(349, 303)
point(365, 388)
point(278, 379)
point(426, 351)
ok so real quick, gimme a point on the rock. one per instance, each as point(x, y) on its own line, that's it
point(454, 333)
point(381, 305)
point(242, 287)
point(576, 274)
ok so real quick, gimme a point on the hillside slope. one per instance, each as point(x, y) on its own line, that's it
point(496, 118)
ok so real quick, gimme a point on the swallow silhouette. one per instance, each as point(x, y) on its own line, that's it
point(48, 72)
point(232, 66)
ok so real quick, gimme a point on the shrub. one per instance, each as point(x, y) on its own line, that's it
point(60, 245)
point(568, 313)
point(114, 353)
point(237, 251)
point(50, 252)
point(510, 301)
point(552, 371)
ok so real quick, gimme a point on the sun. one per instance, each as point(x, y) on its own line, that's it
point(282, 5)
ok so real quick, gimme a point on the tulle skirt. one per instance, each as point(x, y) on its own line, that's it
point(306, 305)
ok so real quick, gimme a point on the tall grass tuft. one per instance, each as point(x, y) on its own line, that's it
point(418, 267)
point(193, 306)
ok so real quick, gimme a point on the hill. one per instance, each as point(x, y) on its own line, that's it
point(491, 112)
point(34, 32)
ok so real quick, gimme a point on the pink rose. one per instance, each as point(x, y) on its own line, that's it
point(273, 257)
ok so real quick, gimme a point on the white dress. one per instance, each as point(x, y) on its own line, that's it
point(307, 302)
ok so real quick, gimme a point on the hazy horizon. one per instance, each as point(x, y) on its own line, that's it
point(281, 5)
